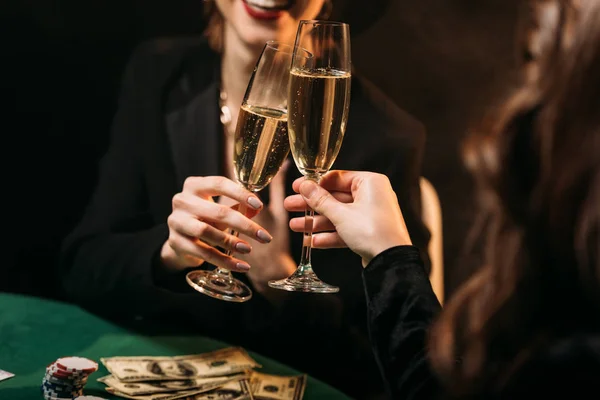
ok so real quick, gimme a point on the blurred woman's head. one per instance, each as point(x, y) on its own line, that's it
point(256, 21)
point(538, 164)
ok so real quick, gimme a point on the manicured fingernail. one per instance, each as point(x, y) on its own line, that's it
point(243, 266)
point(243, 248)
point(307, 188)
point(254, 202)
point(264, 236)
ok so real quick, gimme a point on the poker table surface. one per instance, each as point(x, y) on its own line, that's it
point(34, 332)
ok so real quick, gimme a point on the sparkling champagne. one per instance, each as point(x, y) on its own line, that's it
point(261, 145)
point(318, 111)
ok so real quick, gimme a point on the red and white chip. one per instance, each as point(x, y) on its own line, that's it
point(76, 364)
point(59, 372)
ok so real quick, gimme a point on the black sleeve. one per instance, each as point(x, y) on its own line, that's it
point(401, 307)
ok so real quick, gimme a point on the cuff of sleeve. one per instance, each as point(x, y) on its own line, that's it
point(399, 266)
point(398, 254)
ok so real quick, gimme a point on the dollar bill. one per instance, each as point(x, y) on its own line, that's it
point(238, 390)
point(226, 361)
point(150, 387)
point(275, 387)
point(233, 390)
point(155, 396)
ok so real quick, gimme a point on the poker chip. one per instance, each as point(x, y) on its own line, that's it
point(74, 382)
point(66, 378)
point(77, 364)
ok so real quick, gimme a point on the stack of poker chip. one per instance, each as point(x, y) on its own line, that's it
point(66, 377)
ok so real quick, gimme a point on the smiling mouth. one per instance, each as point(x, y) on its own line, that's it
point(271, 5)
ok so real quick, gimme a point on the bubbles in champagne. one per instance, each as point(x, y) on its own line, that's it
point(318, 111)
point(261, 145)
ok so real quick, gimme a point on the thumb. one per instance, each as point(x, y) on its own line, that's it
point(320, 200)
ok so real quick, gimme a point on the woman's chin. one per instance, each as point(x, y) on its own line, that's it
point(258, 41)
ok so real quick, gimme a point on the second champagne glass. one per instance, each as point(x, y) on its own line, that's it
point(261, 145)
point(319, 100)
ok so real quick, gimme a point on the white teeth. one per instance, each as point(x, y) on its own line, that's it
point(269, 3)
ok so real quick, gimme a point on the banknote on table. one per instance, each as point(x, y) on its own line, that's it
point(237, 390)
point(156, 396)
point(152, 387)
point(226, 361)
point(276, 387)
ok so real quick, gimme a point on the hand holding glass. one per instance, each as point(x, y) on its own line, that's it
point(261, 146)
point(318, 103)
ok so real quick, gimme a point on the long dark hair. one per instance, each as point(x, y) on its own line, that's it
point(537, 163)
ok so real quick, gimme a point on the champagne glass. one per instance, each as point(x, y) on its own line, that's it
point(261, 145)
point(319, 99)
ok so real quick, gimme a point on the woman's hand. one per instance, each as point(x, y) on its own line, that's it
point(358, 210)
point(198, 225)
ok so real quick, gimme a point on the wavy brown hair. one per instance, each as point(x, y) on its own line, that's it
point(538, 170)
point(214, 26)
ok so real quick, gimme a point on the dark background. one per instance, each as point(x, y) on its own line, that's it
point(60, 65)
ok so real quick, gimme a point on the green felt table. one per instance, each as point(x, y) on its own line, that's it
point(34, 332)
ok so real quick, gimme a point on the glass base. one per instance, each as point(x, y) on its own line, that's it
point(304, 280)
point(219, 286)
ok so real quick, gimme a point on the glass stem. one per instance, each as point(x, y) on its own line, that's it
point(224, 272)
point(309, 216)
point(305, 263)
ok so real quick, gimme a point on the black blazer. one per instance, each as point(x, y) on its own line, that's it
point(166, 129)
